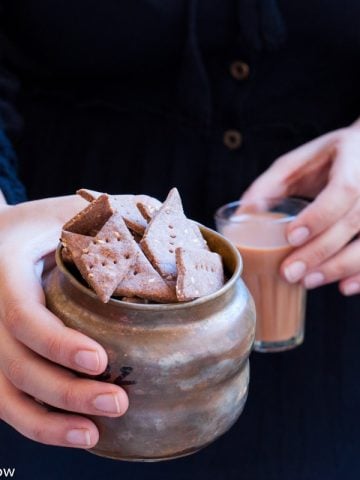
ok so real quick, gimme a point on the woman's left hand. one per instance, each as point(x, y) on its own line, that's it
point(326, 233)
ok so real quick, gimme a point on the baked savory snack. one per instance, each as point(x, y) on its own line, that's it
point(138, 249)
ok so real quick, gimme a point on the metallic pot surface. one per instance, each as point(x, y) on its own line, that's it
point(184, 366)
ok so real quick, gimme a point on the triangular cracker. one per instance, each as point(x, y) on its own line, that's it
point(200, 272)
point(144, 281)
point(148, 206)
point(168, 230)
point(124, 204)
point(88, 195)
point(90, 220)
point(107, 258)
point(74, 245)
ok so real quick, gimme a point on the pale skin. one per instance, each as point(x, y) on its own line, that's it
point(328, 170)
point(35, 346)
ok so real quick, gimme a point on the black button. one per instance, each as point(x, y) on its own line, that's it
point(232, 139)
point(239, 70)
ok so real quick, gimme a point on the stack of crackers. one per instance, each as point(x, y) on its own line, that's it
point(138, 249)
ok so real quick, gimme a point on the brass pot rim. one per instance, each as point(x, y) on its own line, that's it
point(162, 306)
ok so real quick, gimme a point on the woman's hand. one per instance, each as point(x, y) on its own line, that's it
point(327, 231)
point(35, 346)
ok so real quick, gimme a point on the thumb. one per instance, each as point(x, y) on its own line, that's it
point(279, 179)
point(266, 190)
point(268, 186)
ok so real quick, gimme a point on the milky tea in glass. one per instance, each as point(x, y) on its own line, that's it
point(259, 234)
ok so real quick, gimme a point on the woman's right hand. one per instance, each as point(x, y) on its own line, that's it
point(38, 353)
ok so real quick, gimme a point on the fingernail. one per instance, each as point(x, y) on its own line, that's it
point(79, 436)
point(314, 279)
point(108, 402)
point(351, 288)
point(295, 271)
point(88, 360)
point(298, 236)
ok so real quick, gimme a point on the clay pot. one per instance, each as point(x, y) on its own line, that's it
point(184, 366)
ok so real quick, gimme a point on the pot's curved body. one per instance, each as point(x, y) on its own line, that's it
point(184, 366)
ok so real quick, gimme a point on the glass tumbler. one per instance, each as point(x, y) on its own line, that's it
point(259, 233)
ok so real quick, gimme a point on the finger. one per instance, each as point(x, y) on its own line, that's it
point(39, 233)
point(344, 264)
point(351, 285)
point(324, 246)
point(342, 191)
point(24, 314)
point(329, 206)
point(276, 181)
point(56, 386)
point(37, 423)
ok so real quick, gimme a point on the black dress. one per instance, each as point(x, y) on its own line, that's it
point(137, 97)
